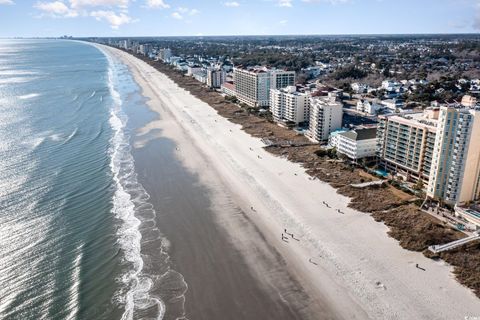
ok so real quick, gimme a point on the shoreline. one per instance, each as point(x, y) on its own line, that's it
point(364, 271)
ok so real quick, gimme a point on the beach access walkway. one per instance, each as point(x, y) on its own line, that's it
point(454, 244)
point(368, 184)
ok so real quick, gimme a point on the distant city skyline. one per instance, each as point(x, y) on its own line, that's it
point(104, 18)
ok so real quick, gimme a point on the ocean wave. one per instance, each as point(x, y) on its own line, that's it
point(132, 206)
point(137, 295)
point(7, 72)
point(34, 143)
point(70, 137)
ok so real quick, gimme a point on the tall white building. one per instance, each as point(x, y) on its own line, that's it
point(215, 77)
point(326, 115)
point(125, 44)
point(455, 172)
point(288, 105)
point(253, 85)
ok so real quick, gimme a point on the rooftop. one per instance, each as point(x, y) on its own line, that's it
point(360, 134)
point(229, 85)
point(417, 119)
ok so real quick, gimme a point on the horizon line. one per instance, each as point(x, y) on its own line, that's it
point(250, 35)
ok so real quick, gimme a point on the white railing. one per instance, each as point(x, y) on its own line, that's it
point(454, 244)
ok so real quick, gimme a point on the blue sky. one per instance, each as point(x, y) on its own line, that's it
point(27, 18)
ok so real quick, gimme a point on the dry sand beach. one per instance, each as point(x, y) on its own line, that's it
point(336, 265)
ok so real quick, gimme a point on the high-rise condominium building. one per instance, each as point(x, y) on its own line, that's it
point(455, 173)
point(288, 105)
point(253, 85)
point(215, 77)
point(165, 54)
point(326, 115)
point(145, 49)
point(405, 143)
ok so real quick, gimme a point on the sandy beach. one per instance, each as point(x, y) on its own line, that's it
point(336, 265)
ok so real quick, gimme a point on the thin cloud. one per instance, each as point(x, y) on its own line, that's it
point(232, 4)
point(6, 2)
point(76, 4)
point(115, 20)
point(157, 4)
point(187, 11)
point(285, 3)
point(177, 15)
point(74, 8)
point(56, 9)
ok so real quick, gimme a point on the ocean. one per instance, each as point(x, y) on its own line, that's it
point(71, 209)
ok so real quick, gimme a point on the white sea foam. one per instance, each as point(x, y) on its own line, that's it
point(129, 236)
point(28, 96)
point(34, 143)
point(74, 132)
point(55, 137)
